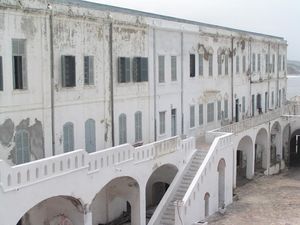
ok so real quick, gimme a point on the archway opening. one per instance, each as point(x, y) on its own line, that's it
point(275, 148)
point(295, 149)
point(221, 183)
point(206, 204)
point(244, 161)
point(157, 186)
point(118, 202)
point(62, 210)
point(261, 144)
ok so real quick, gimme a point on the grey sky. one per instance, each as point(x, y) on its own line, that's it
point(275, 17)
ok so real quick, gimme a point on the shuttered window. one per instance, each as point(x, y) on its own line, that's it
point(140, 69)
point(162, 122)
point(219, 64)
point(68, 66)
point(267, 63)
point(122, 129)
point(138, 126)
point(192, 65)
point(226, 108)
point(210, 112)
point(253, 62)
point(90, 135)
point(201, 114)
point(237, 61)
point(201, 64)
point(22, 147)
point(192, 116)
point(88, 70)
point(243, 104)
point(244, 64)
point(123, 69)
point(161, 69)
point(1, 74)
point(226, 64)
point(19, 64)
point(210, 65)
point(219, 110)
point(173, 68)
point(68, 141)
point(258, 62)
point(273, 63)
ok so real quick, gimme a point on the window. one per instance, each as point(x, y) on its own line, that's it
point(173, 123)
point(140, 69)
point(273, 63)
point(210, 65)
point(283, 63)
point(258, 62)
point(88, 70)
point(173, 68)
point(219, 64)
point(210, 112)
point(226, 108)
point(68, 71)
point(162, 122)
point(244, 104)
point(68, 140)
point(272, 101)
point(90, 135)
point(192, 65)
point(226, 64)
point(244, 64)
point(1, 74)
point(279, 63)
point(192, 116)
point(138, 126)
point(283, 96)
point(22, 147)
point(237, 64)
point(253, 62)
point(219, 110)
point(201, 114)
point(161, 69)
point(19, 64)
point(267, 63)
point(123, 69)
point(122, 129)
point(201, 64)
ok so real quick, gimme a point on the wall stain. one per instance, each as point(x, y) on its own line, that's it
point(7, 132)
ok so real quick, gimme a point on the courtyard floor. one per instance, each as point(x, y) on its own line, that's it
point(266, 200)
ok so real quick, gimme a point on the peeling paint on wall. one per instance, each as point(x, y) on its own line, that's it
point(6, 132)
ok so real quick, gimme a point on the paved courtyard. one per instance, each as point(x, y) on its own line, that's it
point(272, 200)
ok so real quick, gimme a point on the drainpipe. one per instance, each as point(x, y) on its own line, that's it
point(232, 107)
point(181, 91)
point(277, 82)
point(154, 83)
point(52, 82)
point(111, 84)
point(268, 72)
point(250, 78)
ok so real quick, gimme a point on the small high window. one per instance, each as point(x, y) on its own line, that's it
point(210, 112)
point(123, 69)
point(201, 64)
point(68, 139)
point(19, 64)
point(140, 69)
point(173, 68)
point(192, 65)
point(161, 69)
point(68, 71)
point(88, 70)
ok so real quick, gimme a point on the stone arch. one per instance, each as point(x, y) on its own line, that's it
point(245, 159)
point(221, 182)
point(261, 146)
point(158, 183)
point(206, 204)
point(118, 199)
point(275, 145)
point(64, 209)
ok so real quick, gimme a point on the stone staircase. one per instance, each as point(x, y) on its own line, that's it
point(168, 216)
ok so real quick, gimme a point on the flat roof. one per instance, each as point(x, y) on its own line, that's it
point(103, 7)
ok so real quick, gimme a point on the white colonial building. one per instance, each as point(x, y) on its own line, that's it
point(115, 116)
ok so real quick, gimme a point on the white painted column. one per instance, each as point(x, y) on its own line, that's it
point(143, 205)
point(88, 218)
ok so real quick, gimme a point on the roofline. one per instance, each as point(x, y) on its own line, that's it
point(103, 7)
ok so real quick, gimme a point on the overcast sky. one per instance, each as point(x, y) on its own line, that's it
point(275, 17)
